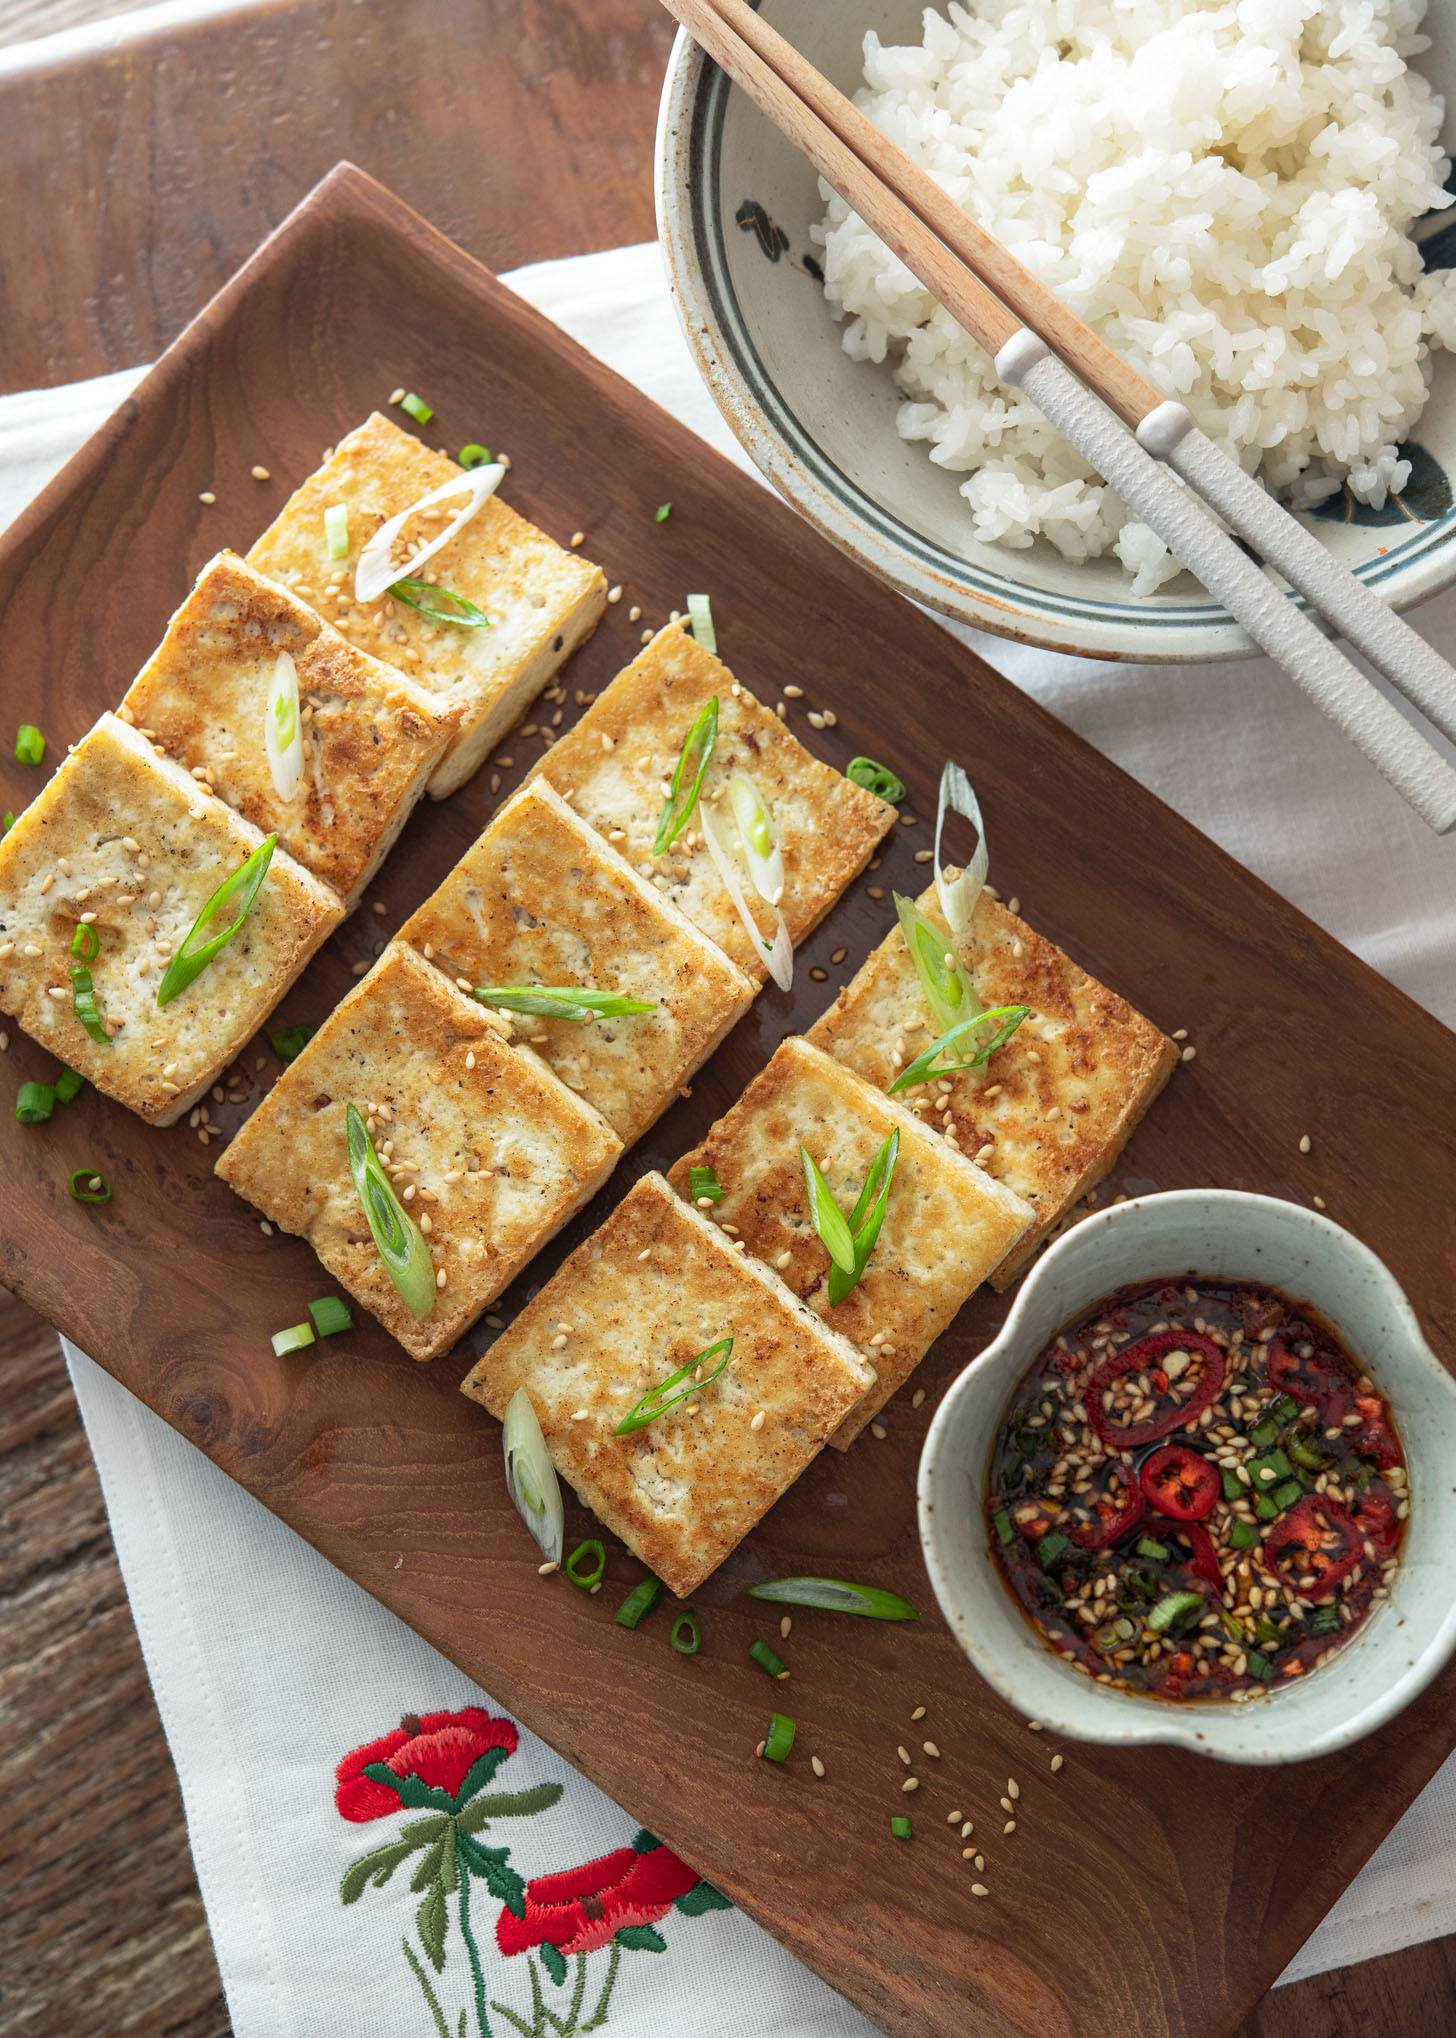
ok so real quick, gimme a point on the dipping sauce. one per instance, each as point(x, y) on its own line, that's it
point(1196, 1491)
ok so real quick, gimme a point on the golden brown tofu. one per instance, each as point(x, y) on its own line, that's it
point(125, 840)
point(1052, 1109)
point(496, 1152)
point(542, 600)
point(947, 1224)
point(371, 737)
point(618, 759)
point(654, 1287)
point(541, 899)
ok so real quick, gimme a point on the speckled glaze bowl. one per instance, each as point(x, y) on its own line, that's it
point(1215, 1233)
point(735, 205)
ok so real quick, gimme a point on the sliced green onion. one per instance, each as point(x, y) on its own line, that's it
point(29, 744)
point(336, 530)
point(958, 896)
point(686, 1636)
point(835, 1595)
point(1231, 1627)
point(1260, 1667)
point(289, 1042)
point(283, 728)
point(293, 1340)
point(923, 1069)
point(531, 1477)
point(34, 1103)
point(1051, 1547)
point(766, 1659)
point(69, 1084)
point(1287, 1494)
point(377, 568)
point(196, 953)
point(418, 409)
point(867, 1217)
point(1263, 1434)
point(1147, 1547)
point(1304, 1453)
point(1232, 1484)
point(84, 1005)
point(1005, 1533)
point(1173, 1610)
point(687, 778)
point(474, 456)
point(778, 954)
point(1266, 1630)
point(595, 1554)
point(89, 1187)
point(402, 1250)
point(1284, 1409)
point(779, 1738)
point(761, 851)
point(900, 1827)
point(553, 1002)
point(875, 778)
point(1265, 1507)
point(428, 598)
point(85, 942)
point(947, 989)
point(703, 1182)
point(7, 822)
point(657, 1400)
point(700, 614)
point(638, 1603)
point(662, 513)
point(1243, 1535)
point(1325, 1620)
point(330, 1316)
point(829, 1220)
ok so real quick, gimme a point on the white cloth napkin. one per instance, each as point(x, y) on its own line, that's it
point(270, 1667)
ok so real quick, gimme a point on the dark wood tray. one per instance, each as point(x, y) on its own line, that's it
point(1144, 1894)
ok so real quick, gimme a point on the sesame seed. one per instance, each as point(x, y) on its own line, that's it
point(646, 1253)
point(1013, 1788)
point(954, 1818)
point(1318, 1202)
point(918, 1714)
point(1181, 1033)
point(877, 1429)
point(440, 1278)
point(558, 1343)
point(979, 1889)
point(816, 720)
point(1304, 1144)
point(577, 538)
point(760, 1748)
point(54, 991)
point(46, 882)
point(260, 474)
point(759, 1420)
point(1007, 1805)
point(875, 891)
point(967, 1853)
point(1035, 1726)
point(647, 639)
point(545, 1570)
point(785, 1626)
point(634, 614)
point(1009, 1827)
point(206, 495)
point(816, 1765)
point(911, 1783)
point(904, 1755)
point(968, 1828)
point(917, 1398)
point(265, 1227)
point(6, 948)
point(1189, 1053)
point(1057, 1761)
point(705, 1202)
point(931, 1749)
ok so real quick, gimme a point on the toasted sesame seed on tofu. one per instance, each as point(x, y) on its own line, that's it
point(683, 1491)
point(1051, 1111)
point(496, 1151)
point(541, 899)
point(947, 1223)
point(144, 847)
point(542, 600)
point(371, 737)
point(826, 826)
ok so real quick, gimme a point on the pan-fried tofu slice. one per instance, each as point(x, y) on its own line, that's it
point(542, 900)
point(946, 1225)
point(497, 1152)
point(542, 601)
point(616, 762)
point(643, 1296)
point(371, 737)
point(1052, 1109)
point(126, 840)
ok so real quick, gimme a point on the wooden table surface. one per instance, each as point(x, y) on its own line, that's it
point(525, 132)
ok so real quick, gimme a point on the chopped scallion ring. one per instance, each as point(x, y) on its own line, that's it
point(766, 1658)
point(553, 1002)
point(34, 1103)
point(377, 567)
point(704, 1182)
point(29, 744)
point(531, 1477)
point(947, 989)
point(294, 1339)
point(778, 954)
point(686, 1636)
point(923, 1069)
point(474, 456)
point(69, 1084)
point(835, 1595)
point(662, 513)
point(958, 895)
point(756, 833)
point(638, 1603)
point(89, 1187)
point(84, 1005)
point(195, 953)
point(402, 1250)
point(418, 409)
point(875, 778)
point(700, 613)
point(900, 1827)
point(336, 530)
point(829, 1220)
point(679, 1386)
point(85, 942)
point(780, 1738)
point(867, 1217)
point(425, 596)
point(330, 1316)
point(283, 728)
point(596, 1558)
point(687, 778)
point(7, 822)
point(289, 1042)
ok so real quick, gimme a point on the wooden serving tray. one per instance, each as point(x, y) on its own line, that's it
point(1143, 1894)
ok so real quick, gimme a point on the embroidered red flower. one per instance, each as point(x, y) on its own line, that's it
point(583, 1908)
point(439, 1749)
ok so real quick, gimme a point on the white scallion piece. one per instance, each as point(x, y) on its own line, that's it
point(756, 832)
point(778, 954)
point(531, 1477)
point(958, 897)
point(336, 530)
point(283, 728)
point(376, 572)
point(700, 612)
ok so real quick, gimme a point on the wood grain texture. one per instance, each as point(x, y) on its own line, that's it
point(376, 1460)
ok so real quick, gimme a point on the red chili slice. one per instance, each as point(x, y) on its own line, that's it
point(1375, 1439)
point(1294, 1545)
point(1308, 1379)
point(1203, 1561)
point(1113, 1519)
point(1142, 1357)
point(1180, 1483)
point(1378, 1522)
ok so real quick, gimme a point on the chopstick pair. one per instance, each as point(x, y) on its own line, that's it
point(1119, 422)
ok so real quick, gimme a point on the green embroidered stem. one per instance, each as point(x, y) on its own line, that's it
point(538, 2001)
point(470, 1946)
point(430, 1997)
point(578, 1994)
point(510, 2016)
point(598, 2016)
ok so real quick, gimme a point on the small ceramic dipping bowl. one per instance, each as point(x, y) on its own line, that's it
point(1216, 1234)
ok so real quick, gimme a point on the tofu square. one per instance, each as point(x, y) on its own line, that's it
point(129, 840)
point(617, 761)
point(371, 737)
point(542, 600)
point(1051, 1111)
point(645, 1294)
point(542, 899)
point(947, 1223)
point(499, 1153)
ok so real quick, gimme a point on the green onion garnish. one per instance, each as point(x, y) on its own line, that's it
point(875, 778)
point(34, 1103)
point(923, 1069)
point(69, 1085)
point(85, 942)
point(766, 1659)
point(84, 1005)
point(1005, 1533)
point(900, 1827)
point(835, 1595)
point(555, 1002)
point(638, 1603)
point(867, 1216)
point(1287, 1494)
point(1147, 1547)
point(293, 1339)
point(761, 851)
point(1051, 1547)
point(687, 779)
point(958, 896)
point(531, 1477)
point(7, 822)
point(1172, 1611)
point(662, 513)
point(402, 1250)
point(195, 954)
point(1265, 1507)
point(1325, 1620)
point(336, 530)
point(686, 1636)
point(29, 744)
point(1243, 1536)
point(779, 1738)
point(89, 1187)
point(700, 613)
point(283, 728)
point(1260, 1667)
point(657, 1400)
point(1263, 1434)
point(596, 1558)
point(418, 409)
point(1232, 1484)
point(425, 596)
point(829, 1220)
point(290, 1041)
point(704, 1183)
point(330, 1316)
point(474, 456)
point(947, 990)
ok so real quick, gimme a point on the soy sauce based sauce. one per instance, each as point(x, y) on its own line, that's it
point(1196, 1492)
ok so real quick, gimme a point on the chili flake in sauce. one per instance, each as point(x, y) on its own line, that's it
point(1196, 1492)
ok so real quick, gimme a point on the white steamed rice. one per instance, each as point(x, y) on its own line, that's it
point(1224, 192)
